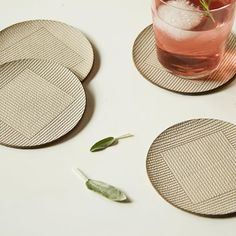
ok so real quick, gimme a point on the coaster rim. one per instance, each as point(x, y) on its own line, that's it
point(55, 22)
point(172, 90)
point(84, 104)
point(229, 214)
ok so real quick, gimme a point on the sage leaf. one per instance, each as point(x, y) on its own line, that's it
point(106, 190)
point(107, 142)
point(102, 188)
point(103, 144)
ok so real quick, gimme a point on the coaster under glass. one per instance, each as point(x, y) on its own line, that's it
point(145, 59)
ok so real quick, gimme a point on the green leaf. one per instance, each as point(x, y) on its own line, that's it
point(106, 190)
point(107, 142)
point(102, 188)
point(103, 144)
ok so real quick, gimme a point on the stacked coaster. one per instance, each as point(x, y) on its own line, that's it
point(193, 166)
point(145, 59)
point(41, 96)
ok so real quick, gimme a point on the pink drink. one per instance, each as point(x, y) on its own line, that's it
point(189, 42)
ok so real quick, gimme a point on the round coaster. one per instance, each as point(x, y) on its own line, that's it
point(145, 59)
point(40, 101)
point(47, 40)
point(193, 166)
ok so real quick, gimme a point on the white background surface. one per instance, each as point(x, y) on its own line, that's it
point(39, 194)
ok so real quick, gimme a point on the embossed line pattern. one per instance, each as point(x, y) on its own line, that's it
point(48, 40)
point(29, 103)
point(193, 165)
point(146, 62)
point(40, 102)
point(202, 175)
point(41, 45)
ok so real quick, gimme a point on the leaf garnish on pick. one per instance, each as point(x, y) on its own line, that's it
point(205, 5)
point(102, 188)
point(107, 142)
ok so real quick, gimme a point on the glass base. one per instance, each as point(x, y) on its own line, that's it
point(200, 76)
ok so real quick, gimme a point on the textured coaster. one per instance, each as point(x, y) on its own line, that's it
point(47, 40)
point(145, 59)
point(193, 166)
point(40, 101)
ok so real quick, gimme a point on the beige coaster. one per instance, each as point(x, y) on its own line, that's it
point(145, 59)
point(40, 101)
point(193, 166)
point(47, 40)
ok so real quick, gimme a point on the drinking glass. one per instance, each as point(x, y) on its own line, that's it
point(191, 35)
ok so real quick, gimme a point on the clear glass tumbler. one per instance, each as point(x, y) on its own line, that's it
point(191, 35)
